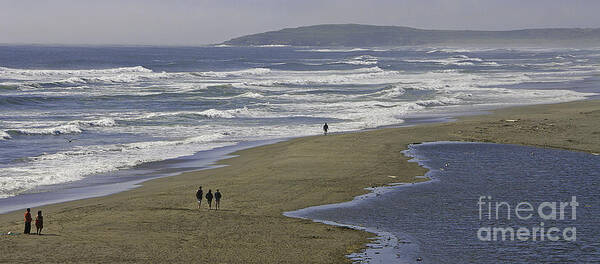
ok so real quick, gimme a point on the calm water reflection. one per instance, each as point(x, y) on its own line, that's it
point(442, 217)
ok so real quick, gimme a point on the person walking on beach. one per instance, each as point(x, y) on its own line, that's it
point(217, 199)
point(209, 197)
point(39, 223)
point(199, 196)
point(27, 222)
point(325, 128)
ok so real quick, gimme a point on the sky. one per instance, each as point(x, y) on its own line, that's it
point(197, 22)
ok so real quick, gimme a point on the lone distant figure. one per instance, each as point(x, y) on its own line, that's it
point(218, 199)
point(199, 196)
point(325, 128)
point(27, 222)
point(209, 197)
point(39, 223)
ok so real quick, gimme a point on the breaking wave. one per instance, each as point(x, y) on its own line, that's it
point(240, 73)
point(361, 60)
point(4, 135)
point(11, 72)
point(72, 127)
point(439, 102)
point(210, 113)
point(250, 95)
point(458, 60)
point(31, 78)
point(196, 105)
point(72, 165)
point(392, 91)
point(357, 76)
point(336, 50)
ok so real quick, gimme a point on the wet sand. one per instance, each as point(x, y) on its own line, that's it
point(160, 222)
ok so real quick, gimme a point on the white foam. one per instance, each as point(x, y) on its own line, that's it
point(440, 101)
point(393, 91)
point(352, 99)
point(210, 113)
point(36, 79)
point(247, 72)
point(4, 135)
point(250, 95)
point(336, 50)
point(71, 127)
point(72, 165)
point(45, 73)
point(449, 50)
point(213, 113)
point(361, 60)
point(271, 46)
point(103, 122)
point(57, 130)
point(458, 60)
point(355, 114)
point(372, 75)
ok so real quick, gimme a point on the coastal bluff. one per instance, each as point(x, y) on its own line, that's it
point(356, 35)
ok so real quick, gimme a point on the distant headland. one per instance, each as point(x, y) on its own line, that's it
point(355, 35)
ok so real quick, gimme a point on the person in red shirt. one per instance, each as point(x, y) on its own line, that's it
point(27, 222)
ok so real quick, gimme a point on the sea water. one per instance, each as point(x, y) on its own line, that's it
point(444, 220)
point(71, 113)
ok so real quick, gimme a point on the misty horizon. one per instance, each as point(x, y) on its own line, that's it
point(190, 23)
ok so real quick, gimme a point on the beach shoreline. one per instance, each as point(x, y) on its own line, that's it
point(261, 183)
point(120, 181)
point(384, 246)
point(114, 182)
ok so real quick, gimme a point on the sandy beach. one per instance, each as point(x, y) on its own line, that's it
point(159, 221)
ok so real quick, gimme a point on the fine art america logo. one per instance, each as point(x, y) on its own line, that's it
point(553, 212)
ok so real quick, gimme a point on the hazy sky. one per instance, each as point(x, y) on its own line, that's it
point(187, 22)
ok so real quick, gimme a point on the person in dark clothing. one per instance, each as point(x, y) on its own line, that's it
point(217, 199)
point(199, 196)
point(39, 223)
point(325, 128)
point(209, 197)
point(27, 222)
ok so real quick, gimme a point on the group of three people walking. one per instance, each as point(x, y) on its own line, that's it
point(39, 222)
point(209, 197)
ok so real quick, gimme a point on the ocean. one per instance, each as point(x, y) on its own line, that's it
point(69, 114)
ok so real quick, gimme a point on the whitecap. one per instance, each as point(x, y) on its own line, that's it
point(103, 122)
point(4, 135)
point(393, 91)
point(72, 165)
point(440, 101)
point(45, 72)
point(240, 73)
point(250, 95)
point(209, 113)
point(271, 46)
point(458, 60)
point(71, 127)
point(336, 50)
point(361, 60)
point(57, 130)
